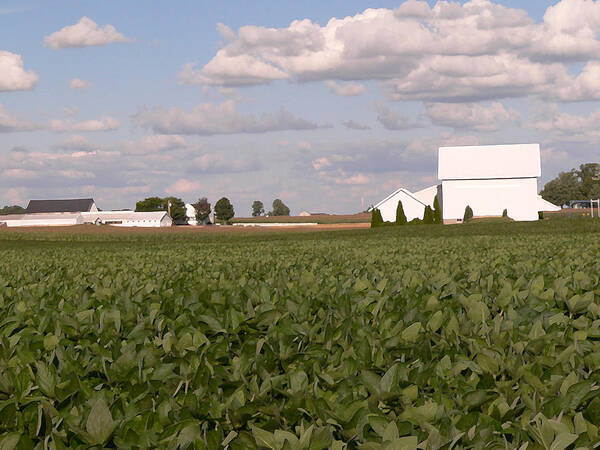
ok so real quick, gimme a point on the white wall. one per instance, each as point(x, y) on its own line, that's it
point(412, 208)
point(42, 222)
point(491, 197)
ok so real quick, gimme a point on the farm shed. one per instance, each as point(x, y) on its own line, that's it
point(152, 219)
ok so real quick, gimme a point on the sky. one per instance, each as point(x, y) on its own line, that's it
point(329, 106)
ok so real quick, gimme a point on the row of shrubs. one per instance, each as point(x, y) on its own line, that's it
point(430, 216)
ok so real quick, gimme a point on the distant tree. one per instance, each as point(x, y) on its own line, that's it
point(468, 214)
point(14, 209)
point(376, 219)
point(279, 208)
point(563, 188)
point(505, 213)
point(258, 209)
point(202, 208)
point(150, 204)
point(428, 215)
point(178, 213)
point(162, 204)
point(589, 176)
point(224, 209)
point(437, 211)
point(400, 216)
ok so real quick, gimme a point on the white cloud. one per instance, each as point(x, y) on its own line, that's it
point(569, 127)
point(85, 33)
point(355, 125)
point(359, 178)
point(76, 142)
point(472, 115)
point(448, 52)
point(79, 84)
point(185, 186)
point(345, 90)
point(211, 119)
point(392, 120)
point(10, 123)
point(103, 124)
point(13, 76)
point(584, 87)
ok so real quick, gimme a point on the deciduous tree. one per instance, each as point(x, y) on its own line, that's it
point(202, 208)
point(279, 208)
point(224, 209)
point(258, 209)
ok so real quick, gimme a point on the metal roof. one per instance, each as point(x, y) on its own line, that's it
point(125, 215)
point(489, 161)
point(58, 206)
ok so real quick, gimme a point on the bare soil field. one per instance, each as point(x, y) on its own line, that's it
point(107, 229)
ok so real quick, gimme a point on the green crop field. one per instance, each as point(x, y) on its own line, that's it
point(469, 336)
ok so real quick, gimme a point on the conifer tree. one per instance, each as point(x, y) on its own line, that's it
point(468, 214)
point(376, 219)
point(400, 216)
point(428, 215)
point(437, 211)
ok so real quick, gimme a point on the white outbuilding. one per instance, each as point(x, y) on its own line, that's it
point(412, 206)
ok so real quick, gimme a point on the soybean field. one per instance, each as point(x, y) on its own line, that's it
point(430, 337)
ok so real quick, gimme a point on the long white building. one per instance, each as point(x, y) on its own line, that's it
point(488, 178)
point(82, 211)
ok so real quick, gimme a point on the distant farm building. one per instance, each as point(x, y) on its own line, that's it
point(82, 211)
point(488, 178)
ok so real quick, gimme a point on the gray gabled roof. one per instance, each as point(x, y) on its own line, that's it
point(54, 206)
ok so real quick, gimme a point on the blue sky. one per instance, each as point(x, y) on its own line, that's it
point(326, 105)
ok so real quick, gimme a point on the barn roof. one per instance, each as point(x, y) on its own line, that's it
point(126, 215)
point(489, 161)
point(56, 206)
point(396, 192)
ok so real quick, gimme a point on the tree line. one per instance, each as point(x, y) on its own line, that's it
point(223, 209)
point(576, 184)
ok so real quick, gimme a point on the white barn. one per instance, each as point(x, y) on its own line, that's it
point(488, 178)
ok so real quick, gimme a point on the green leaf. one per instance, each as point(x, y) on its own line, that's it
point(9, 441)
point(263, 437)
point(100, 424)
point(563, 440)
point(411, 333)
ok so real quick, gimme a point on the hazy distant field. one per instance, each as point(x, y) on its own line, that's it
point(386, 338)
